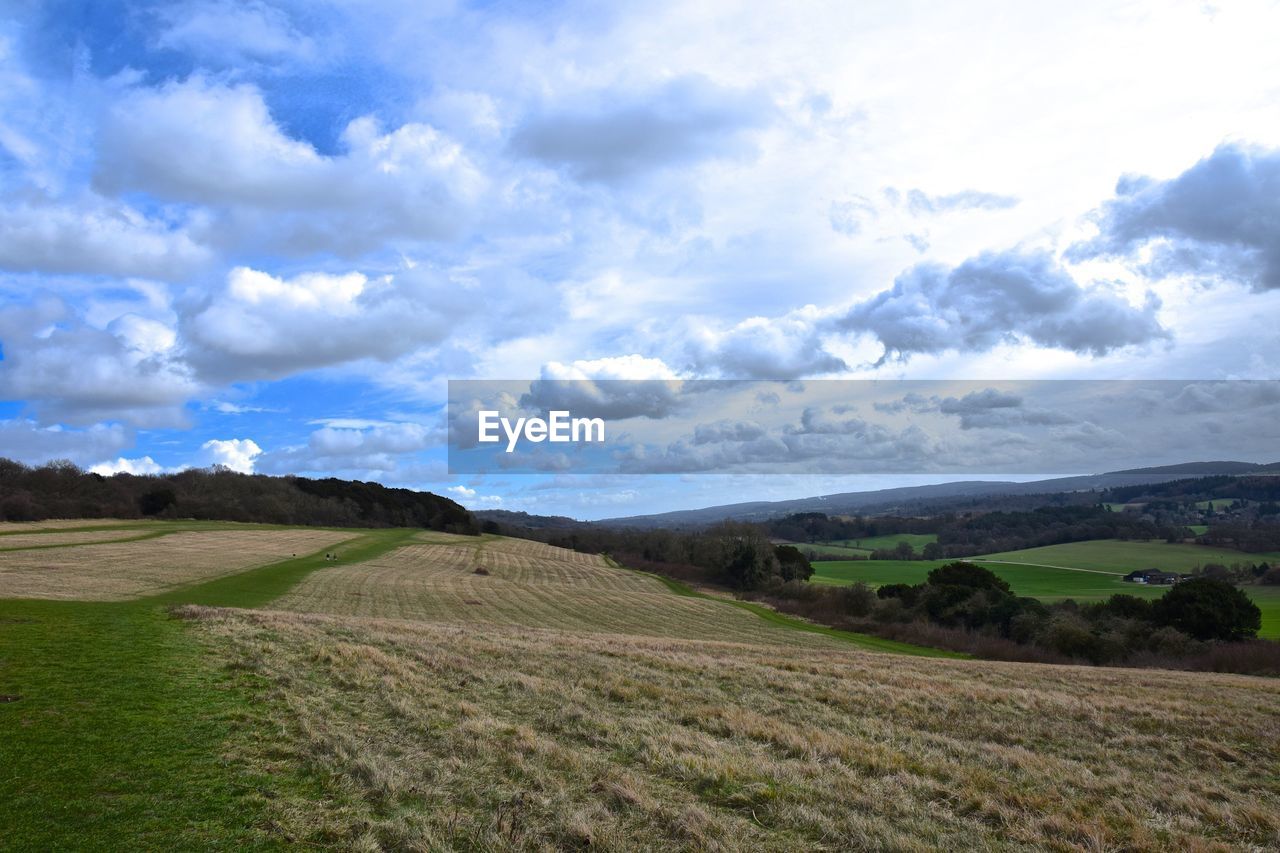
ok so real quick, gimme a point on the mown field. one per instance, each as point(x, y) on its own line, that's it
point(396, 698)
point(1085, 571)
point(432, 736)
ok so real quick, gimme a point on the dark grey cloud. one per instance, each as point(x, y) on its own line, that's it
point(994, 409)
point(727, 431)
point(999, 297)
point(611, 399)
point(686, 120)
point(1218, 219)
point(919, 202)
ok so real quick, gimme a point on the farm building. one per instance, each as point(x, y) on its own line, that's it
point(1153, 576)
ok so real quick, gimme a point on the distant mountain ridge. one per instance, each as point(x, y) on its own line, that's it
point(845, 503)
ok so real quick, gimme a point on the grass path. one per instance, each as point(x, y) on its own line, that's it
point(1047, 566)
point(124, 715)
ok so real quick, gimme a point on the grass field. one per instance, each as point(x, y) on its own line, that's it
point(481, 738)
point(113, 571)
point(527, 584)
point(562, 701)
point(863, 547)
point(1114, 555)
point(1053, 573)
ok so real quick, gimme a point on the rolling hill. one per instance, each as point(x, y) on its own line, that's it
point(902, 499)
point(402, 689)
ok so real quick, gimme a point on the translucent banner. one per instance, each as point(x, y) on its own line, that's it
point(856, 427)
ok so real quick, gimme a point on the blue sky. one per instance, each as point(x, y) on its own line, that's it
point(267, 234)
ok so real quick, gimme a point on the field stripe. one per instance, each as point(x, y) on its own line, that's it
point(152, 534)
point(261, 585)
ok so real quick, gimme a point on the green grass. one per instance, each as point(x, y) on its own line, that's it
point(1121, 557)
point(863, 547)
point(123, 720)
point(1054, 584)
point(891, 540)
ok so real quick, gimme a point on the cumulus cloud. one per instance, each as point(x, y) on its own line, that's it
point(263, 326)
point(611, 138)
point(201, 142)
point(354, 444)
point(727, 431)
point(238, 454)
point(27, 440)
point(121, 465)
point(70, 371)
point(994, 409)
point(618, 388)
point(94, 236)
point(1000, 297)
point(1220, 218)
point(764, 347)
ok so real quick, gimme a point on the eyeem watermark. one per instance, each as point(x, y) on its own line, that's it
point(557, 427)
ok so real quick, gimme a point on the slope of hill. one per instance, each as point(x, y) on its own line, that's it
point(888, 499)
point(556, 701)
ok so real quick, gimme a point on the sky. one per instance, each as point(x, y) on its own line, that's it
point(267, 235)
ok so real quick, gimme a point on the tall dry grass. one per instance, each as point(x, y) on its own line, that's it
point(486, 737)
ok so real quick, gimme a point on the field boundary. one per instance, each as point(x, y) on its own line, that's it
point(867, 642)
point(260, 585)
point(1042, 566)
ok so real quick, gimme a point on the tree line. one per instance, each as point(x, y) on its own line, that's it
point(62, 490)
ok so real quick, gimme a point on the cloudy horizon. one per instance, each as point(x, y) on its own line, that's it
point(266, 234)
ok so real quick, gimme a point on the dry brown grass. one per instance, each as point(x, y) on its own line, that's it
point(524, 583)
point(118, 571)
point(485, 737)
point(69, 537)
point(7, 527)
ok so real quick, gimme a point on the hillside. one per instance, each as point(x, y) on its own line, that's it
point(402, 689)
point(906, 498)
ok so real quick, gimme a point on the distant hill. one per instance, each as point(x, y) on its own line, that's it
point(914, 497)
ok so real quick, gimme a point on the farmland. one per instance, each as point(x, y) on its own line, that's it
point(110, 571)
point(854, 548)
point(432, 736)
point(1084, 571)
point(398, 698)
point(526, 584)
point(1111, 555)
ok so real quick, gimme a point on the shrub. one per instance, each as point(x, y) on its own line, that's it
point(1208, 609)
point(966, 575)
point(859, 599)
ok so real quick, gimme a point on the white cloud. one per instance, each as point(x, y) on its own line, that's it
point(226, 33)
point(144, 465)
point(265, 326)
point(238, 454)
point(614, 367)
point(201, 142)
point(68, 370)
point(94, 236)
point(28, 441)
